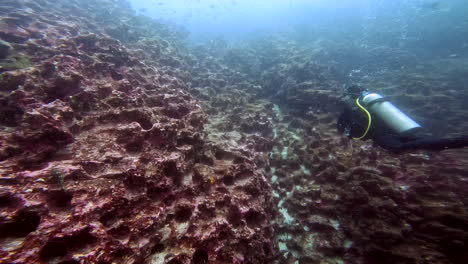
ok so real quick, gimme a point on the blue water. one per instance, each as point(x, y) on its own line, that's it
point(412, 23)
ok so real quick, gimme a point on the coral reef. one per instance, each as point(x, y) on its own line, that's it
point(340, 201)
point(121, 144)
point(104, 156)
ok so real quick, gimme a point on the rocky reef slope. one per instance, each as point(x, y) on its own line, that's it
point(340, 201)
point(120, 144)
point(104, 155)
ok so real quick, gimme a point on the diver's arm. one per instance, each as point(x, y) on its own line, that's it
point(351, 123)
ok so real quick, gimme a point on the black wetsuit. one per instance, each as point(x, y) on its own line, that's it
point(354, 123)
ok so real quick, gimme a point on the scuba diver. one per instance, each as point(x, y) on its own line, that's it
point(374, 117)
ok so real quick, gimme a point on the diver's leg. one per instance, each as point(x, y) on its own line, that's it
point(436, 144)
point(389, 142)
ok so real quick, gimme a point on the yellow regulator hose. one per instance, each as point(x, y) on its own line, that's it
point(368, 117)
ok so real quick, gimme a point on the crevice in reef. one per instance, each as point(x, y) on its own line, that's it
point(59, 199)
point(21, 224)
point(183, 214)
point(58, 248)
point(200, 257)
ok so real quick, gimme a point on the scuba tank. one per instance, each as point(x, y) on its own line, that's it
point(393, 117)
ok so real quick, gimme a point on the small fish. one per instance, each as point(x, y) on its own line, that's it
point(437, 6)
point(143, 10)
point(160, 3)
